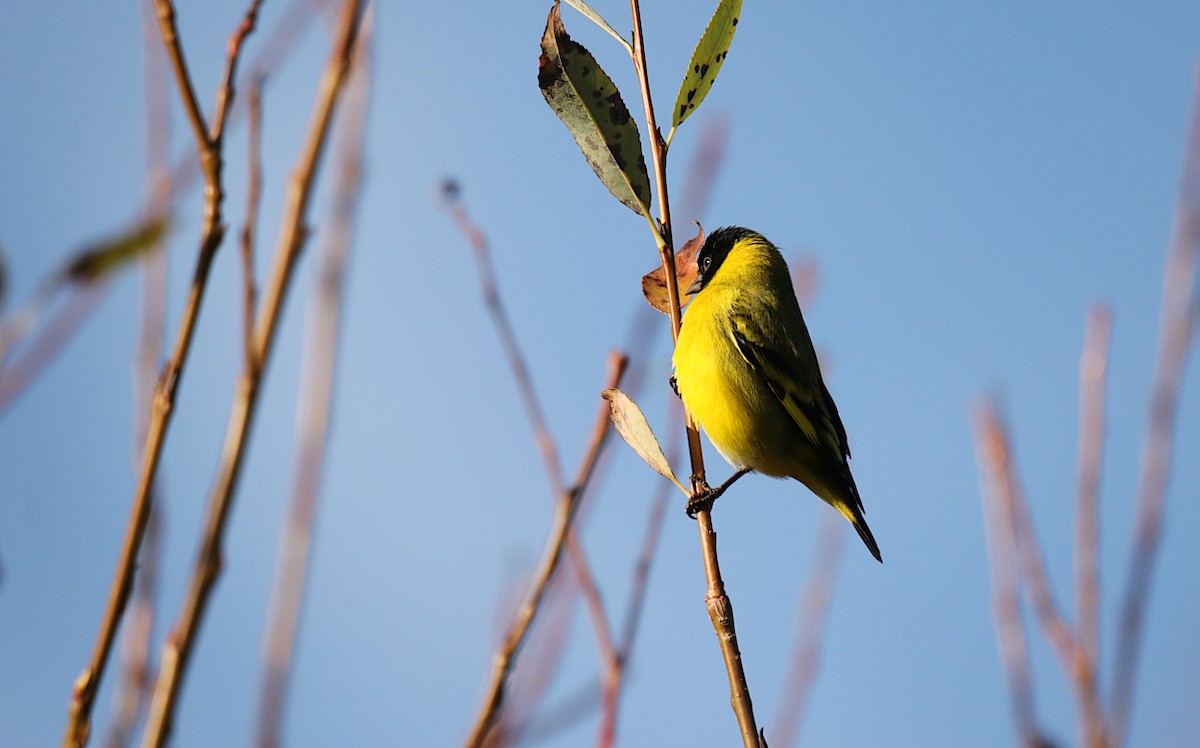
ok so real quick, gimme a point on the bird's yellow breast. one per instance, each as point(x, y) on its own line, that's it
point(734, 406)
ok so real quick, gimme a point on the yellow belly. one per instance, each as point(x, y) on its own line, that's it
point(742, 417)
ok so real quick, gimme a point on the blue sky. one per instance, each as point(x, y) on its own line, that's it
point(967, 177)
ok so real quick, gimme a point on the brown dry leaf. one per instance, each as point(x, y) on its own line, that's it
point(654, 283)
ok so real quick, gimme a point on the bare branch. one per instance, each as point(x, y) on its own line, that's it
point(179, 647)
point(991, 444)
point(720, 608)
point(315, 404)
point(1093, 367)
point(1174, 338)
point(133, 687)
point(565, 509)
point(213, 232)
point(250, 229)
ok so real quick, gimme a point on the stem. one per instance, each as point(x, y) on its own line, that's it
point(565, 508)
point(179, 647)
point(1174, 339)
point(1092, 367)
point(720, 608)
point(315, 405)
point(533, 410)
point(250, 229)
point(994, 477)
point(86, 685)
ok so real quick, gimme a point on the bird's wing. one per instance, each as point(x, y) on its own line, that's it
point(801, 393)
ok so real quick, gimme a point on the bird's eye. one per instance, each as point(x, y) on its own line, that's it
point(705, 264)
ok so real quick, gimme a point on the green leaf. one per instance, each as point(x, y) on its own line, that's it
point(631, 424)
point(707, 60)
point(101, 259)
point(589, 104)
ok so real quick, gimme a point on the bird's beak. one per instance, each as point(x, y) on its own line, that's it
point(694, 289)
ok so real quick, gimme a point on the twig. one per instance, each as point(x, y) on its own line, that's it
point(133, 687)
point(165, 393)
point(1073, 658)
point(292, 238)
point(995, 477)
point(539, 661)
point(278, 43)
point(250, 229)
point(1093, 365)
point(810, 630)
point(504, 330)
point(1174, 337)
point(565, 508)
point(720, 608)
point(1076, 665)
point(133, 684)
point(291, 568)
point(612, 680)
point(545, 440)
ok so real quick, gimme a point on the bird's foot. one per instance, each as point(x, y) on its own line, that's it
point(703, 497)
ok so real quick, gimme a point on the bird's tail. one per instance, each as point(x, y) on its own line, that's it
point(853, 512)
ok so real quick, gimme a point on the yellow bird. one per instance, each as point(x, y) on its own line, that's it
point(747, 372)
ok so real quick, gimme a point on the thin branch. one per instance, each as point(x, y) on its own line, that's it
point(137, 669)
point(166, 391)
point(1058, 631)
point(1174, 337)
point(810, 630)
point(720, 608)
point(291, 567)
point(565, 508)
point(133, 686)
point(545, 440)
point(539, 662)
point(191, 105)
point(508, 339)
point(226, 92)
point(1093, 366)
point(269, 57)
point(179, 647)
point(167, 189)
point(1072, 656)
point(991, 446)
point(613, 681)
point(250, 229)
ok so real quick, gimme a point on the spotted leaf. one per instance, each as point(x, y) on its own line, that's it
point(707, 60)
point(589, 104)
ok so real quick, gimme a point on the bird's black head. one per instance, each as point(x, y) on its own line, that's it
point(713, 253)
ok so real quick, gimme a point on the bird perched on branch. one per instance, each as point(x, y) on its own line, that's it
point(747, 372)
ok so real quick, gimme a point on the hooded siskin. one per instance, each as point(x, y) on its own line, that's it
point(747, 372)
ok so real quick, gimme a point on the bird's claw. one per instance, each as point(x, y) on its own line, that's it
point(702, 498)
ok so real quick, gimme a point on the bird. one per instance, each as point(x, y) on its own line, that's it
point(745, 368)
